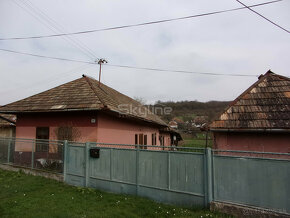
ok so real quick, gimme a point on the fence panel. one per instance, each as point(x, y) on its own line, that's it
point(187, 172)
point(101, 167)
point(123, 165)
point(75, 164)
point(30, 153)
point(166, 176)
point(4, 150)
point(252, 181)
point(114, 170)
point(153, 169)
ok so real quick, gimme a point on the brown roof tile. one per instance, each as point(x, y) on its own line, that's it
point(264, 105)
point(82, 94)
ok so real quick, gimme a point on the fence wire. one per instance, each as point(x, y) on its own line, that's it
point(35, 154)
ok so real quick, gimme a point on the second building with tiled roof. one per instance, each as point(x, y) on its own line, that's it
point(259, 119)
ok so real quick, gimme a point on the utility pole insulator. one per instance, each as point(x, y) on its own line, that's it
point(100, 62)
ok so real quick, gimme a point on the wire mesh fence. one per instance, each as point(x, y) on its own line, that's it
point(35, 154)
point(251, 154)
point(159, 148)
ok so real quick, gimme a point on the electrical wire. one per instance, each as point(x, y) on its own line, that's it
point(180, 71)
point(59, 27)
point(263, 17)
point(49, 79)
point(139, 24)
point(48, 57)
point(48, 22)
point(131, 67)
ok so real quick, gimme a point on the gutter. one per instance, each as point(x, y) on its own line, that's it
point(250, 130)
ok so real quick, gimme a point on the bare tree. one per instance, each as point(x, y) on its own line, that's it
point(67, 131)
point(141, 100)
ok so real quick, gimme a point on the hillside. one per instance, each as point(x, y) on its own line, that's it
point(188, 110)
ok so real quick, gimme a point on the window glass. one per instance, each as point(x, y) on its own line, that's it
point(42, 133)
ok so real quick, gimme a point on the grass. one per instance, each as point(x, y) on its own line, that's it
point(195, 141)
point(24, 195)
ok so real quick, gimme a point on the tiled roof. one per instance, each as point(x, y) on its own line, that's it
point(7, 120)
point(82, 94)
point(265, 105)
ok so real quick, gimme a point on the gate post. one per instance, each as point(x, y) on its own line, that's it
point(8, 152)
point(137, 169)
point(32, 153)
point(209, 175)
point(87, 163)
point(65, 159)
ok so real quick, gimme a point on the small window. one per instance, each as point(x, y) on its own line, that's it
point(153, 138)
point(140, 139)
point(145, 142)
point(42, 133)
point(161, 139)
point(136, 139)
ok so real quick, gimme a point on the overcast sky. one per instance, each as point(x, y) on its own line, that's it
point(238, 42)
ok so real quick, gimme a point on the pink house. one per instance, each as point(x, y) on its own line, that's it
point(84, 111)
point(258, 120)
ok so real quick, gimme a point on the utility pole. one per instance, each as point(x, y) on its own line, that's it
point(100, 62)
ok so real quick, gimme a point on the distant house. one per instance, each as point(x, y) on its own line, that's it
point(259, 119)
point(199, 121)
point(7, 125)
point(7, 130)
point(173, 124)
point(82, 110)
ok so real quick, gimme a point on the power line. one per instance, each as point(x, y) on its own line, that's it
point(61, 28)
point(248, 7)
point(48, 22)
point(180, 71)
point(140, 24)
point(126, 66)
point(49, 79)
point(49, 57)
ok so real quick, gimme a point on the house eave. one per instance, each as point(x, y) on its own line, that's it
point(129, 116)
point(45, 111)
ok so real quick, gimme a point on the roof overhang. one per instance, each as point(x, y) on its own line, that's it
point(48, 111)
point(133, 117)
point(104, 109)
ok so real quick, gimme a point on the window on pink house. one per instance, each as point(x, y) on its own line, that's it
point(161, 139)
point(153, 138)
point(42, 133)
point(145, 142)
point(141, 140)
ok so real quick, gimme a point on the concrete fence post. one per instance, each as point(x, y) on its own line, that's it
point(32, 153)
point(137, 169)
point(65, 159)
point(111, 166)
point(168, 170)
point(209, 175)
point(87, 164)
point(8, 152)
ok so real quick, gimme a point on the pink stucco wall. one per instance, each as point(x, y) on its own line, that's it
point(263, 142)
point(120, 131)
point(106, 129)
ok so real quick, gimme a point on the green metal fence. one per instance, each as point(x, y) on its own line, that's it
point(163, 175)
point(181, 176)
point(191, 178)
point(259, 179)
